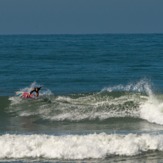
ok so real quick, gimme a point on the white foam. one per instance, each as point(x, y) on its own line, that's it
point(77, 146)
point(152, 110)
point(15, 100)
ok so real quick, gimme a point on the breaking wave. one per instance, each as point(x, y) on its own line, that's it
point(94, 146)
point(133, 100)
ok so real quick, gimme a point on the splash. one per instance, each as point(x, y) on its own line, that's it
point(152, 110)
point(143, 86)
point(44, 92)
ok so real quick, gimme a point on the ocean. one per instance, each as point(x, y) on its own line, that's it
point(101, 98)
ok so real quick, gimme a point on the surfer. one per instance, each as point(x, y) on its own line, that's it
point(36, 90)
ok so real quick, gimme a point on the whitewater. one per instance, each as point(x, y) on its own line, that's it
point(96, 146)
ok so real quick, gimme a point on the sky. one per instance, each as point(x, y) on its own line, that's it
point(80, 16)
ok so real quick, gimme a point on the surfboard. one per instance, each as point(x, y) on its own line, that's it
point(24, 94)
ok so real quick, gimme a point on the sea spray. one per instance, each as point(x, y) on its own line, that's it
point(142, 86)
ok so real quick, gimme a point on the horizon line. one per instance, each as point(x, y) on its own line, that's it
point(120, 33)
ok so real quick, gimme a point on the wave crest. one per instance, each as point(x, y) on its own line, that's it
point(133, 100)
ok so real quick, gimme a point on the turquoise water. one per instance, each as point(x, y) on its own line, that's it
point(101, 98)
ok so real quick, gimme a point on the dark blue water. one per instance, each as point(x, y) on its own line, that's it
point(101, 98)
point(79, 63)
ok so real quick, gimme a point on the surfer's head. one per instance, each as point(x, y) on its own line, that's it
point(37, 89)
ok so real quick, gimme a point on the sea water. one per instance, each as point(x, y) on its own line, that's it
point(101, 98)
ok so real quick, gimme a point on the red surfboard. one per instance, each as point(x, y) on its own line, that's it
point(27, 95)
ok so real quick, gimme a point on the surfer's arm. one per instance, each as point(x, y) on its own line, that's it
point(36, 90)
point(31, 92)
point(37, 93)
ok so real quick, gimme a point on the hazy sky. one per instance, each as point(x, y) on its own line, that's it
point(80, 16)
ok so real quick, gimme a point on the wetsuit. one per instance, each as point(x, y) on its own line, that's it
point(35, 90)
